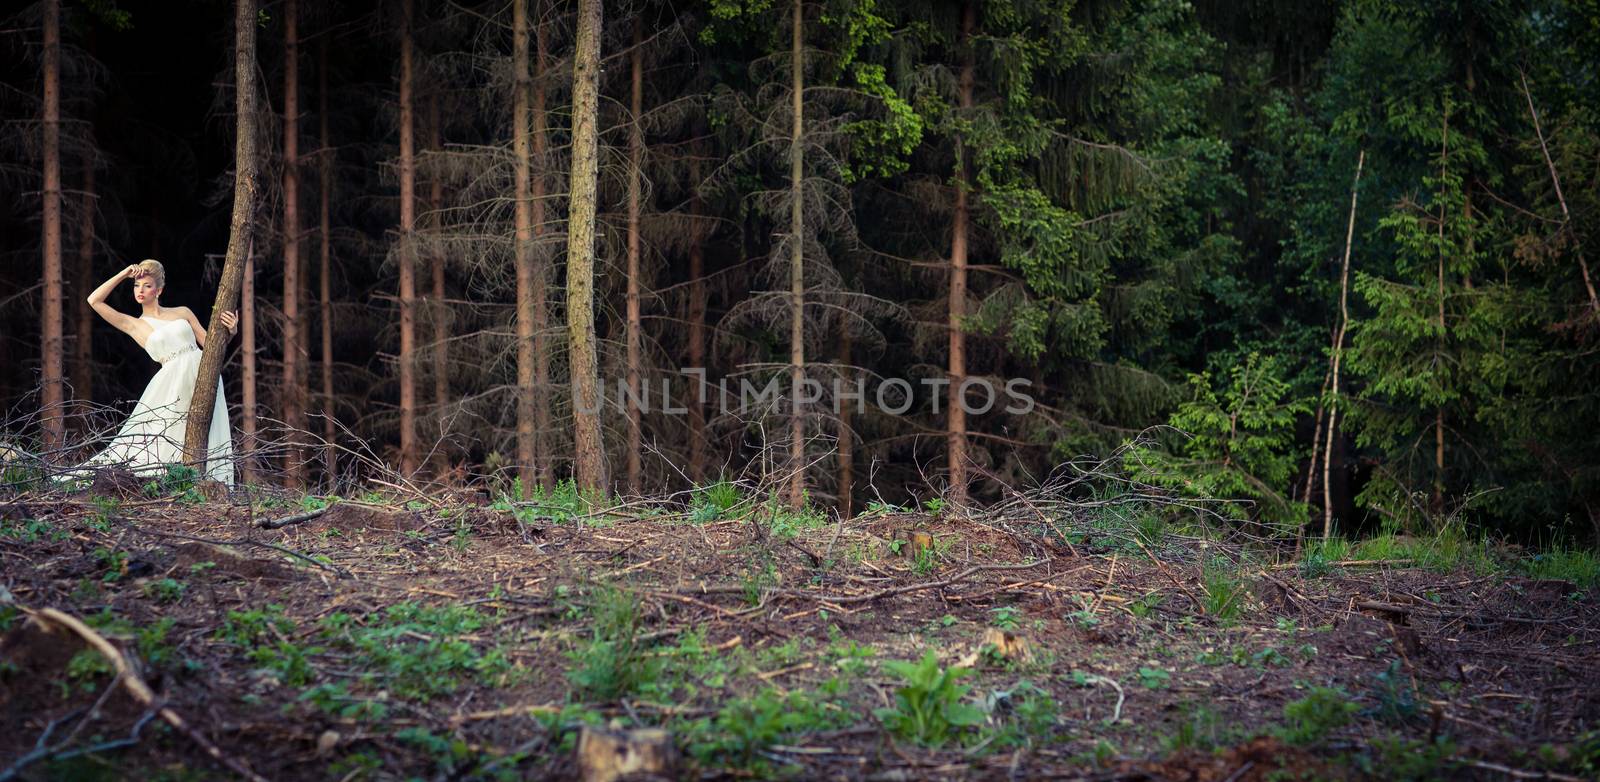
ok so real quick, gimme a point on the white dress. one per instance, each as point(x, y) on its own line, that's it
point(152, 437)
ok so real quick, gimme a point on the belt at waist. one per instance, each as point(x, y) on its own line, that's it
point(174, 354)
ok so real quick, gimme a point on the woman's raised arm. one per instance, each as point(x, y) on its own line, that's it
point(125, 323)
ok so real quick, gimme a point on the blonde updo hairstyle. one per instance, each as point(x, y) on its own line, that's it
point(153, 269)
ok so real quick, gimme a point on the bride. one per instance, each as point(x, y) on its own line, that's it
point(152, 437)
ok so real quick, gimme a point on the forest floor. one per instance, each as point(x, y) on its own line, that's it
point(442, 638)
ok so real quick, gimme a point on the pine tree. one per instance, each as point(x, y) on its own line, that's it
point(1419, 350)
point(245, 194)
point(51, 345)
point(589, 455)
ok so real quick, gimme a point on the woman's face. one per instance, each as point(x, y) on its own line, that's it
point(144, 289)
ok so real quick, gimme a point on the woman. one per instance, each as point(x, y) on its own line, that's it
point(153, 436)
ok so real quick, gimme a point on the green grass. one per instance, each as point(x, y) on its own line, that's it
point(714, 502)
point(1309, 720)
point(1446, 552)
point(1319, 555)
point(1453, 550)
point(559, 505)
point(612, 663)
point(417, 651)
point(1226, 592)
point(180, 482)
point(744, 728)
point(786, 522)
point(1579, 566)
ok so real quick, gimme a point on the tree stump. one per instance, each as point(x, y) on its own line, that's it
point(610, 755)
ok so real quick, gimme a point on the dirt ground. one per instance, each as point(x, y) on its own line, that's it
point(447, 640)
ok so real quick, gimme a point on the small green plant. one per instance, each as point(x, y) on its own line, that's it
point(745, 727)
point(714, 502)
point(461, 540)
point(561, 504)
point(289, 662)
point(1393, 696)
point(166, 590)
point(612, 663)
point(84, 670)
point(31, 530)
point(1024, 713)
point(334, 699)
point(105, 510)
point(850, 657)
point(759, 578)
point(179, 481)
point(1154, 678)
point(933, 505)
point(1005, 617)
point(247, 628)
point(1411, 760)
point(786, 521)
point(21, 471)
point(114, 561)
point(1225, 593)
point(1143, 607)
point(928, 557)
point(929, 709)
point(452, 757)
point(1310, 719)
point(1199, 727)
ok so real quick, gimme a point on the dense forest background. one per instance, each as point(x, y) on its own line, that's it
point(1336, 254)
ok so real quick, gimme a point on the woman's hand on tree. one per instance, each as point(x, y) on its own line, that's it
point(231, 321)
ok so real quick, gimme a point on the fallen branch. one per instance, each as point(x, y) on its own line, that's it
point(900, 590)
point(296, 519)
point(1116, 713)
point(1018, 585)
point(137, 688)
point(1518, 773)
point(1350, 563)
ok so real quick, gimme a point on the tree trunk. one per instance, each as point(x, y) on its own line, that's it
point(294, 414)
point(955, 410)
point(441, 310)
point(697, 331)
point(797, 290)
point(847, 445)
point(589, 453)
point(1438, 413)
point(528, 453)
point(50, 344)
point(408, 269)
point(207, 378)
point(1338, 353)
point(247, 369)
point(83, 344)
point(541, 276)
point(330, 452)
point(634, 347)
